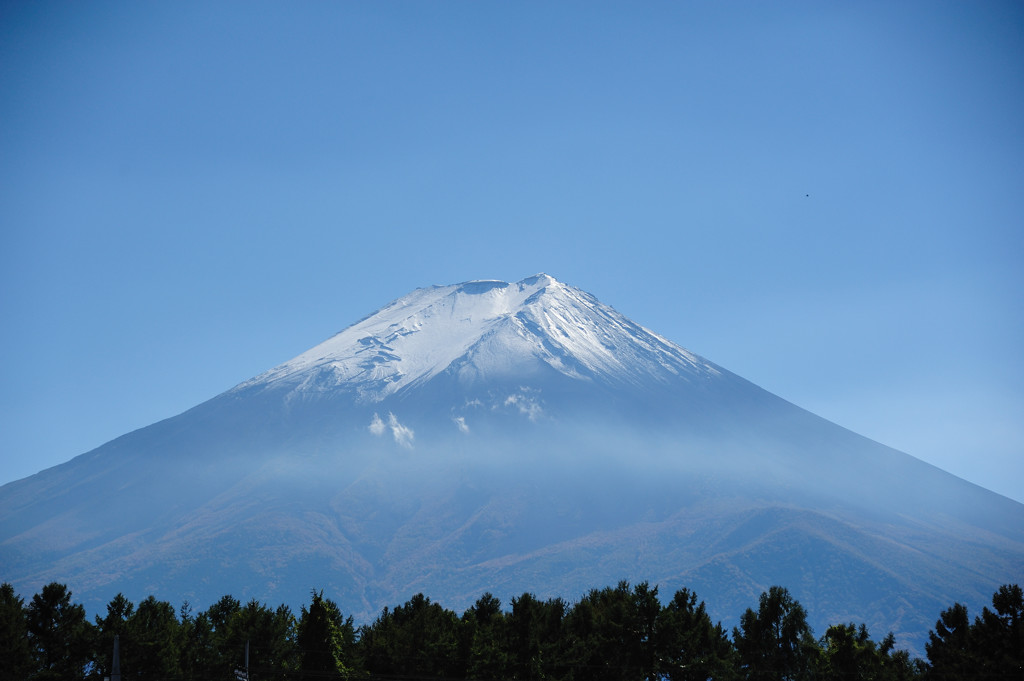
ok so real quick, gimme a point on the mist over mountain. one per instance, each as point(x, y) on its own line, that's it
point(510, 437)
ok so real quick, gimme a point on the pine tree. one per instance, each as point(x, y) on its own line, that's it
point(152, 643)
point(14, 646)
point(59, 635)
point(485, 628)
point(691, 647)
point(775, 643)
point(321, 640)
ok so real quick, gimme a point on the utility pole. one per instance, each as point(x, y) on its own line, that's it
point(115, 667)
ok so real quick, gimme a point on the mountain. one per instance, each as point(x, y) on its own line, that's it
point(510, 437)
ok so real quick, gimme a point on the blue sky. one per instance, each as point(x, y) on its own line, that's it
point(825, 198)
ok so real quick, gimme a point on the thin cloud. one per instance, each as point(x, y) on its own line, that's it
point(403, 435)
point(526, 404)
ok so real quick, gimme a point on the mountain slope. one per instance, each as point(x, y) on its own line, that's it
point(504, 437)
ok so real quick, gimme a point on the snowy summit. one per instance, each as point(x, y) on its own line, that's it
point(486, 330)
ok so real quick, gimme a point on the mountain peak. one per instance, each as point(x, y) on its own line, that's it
point(540, 279)
point(484, 329)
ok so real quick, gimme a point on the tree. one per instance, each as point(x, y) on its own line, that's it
point(534, 631)
point(224, 652)
point(119, 610)
point(115, 623)
point(324, 640)
point(221, 612)
point(775, 643)
point(990, 648)
point(419, 638)
point(847, 652)
point(897, 665)
point(58, 634)
point(949, 648)
point(199, 659)
point(151, 645)
point(14, 646)
point(611, 633)
point(999, 635)
point(270, 635)
point(689, 646)
point(484, 632)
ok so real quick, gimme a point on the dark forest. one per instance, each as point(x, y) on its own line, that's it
point(625, 632)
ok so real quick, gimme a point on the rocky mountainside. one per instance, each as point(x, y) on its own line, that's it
point(504, 437)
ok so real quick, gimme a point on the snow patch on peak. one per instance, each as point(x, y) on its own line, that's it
point(484, 329)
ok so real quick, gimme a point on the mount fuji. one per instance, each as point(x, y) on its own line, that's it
point(510, 437)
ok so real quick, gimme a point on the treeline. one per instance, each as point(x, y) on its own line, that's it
point(621, 633)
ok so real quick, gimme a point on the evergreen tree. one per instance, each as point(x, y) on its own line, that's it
point(269, 635)
point(324, 640)
point(58, 634)
point(221, 612)
point(213, 642)
point(484, 629)
point(897, 665)
point(199, 659)
point(419, 638)
point(14, 645)
point(611, 633)
point(775, 643)
point(950, 648)
point(990, 648)
point(847, 652)
point(999, 635)
point(114, 623)
point(690, 647)
point(152, 644)
point(534, 631)
point(119, 611)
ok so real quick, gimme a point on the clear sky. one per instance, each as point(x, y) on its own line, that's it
point(826, 198)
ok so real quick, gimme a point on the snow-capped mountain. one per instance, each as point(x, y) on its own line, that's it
point(448, 357)
point(505, 437)
point(480, 332)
